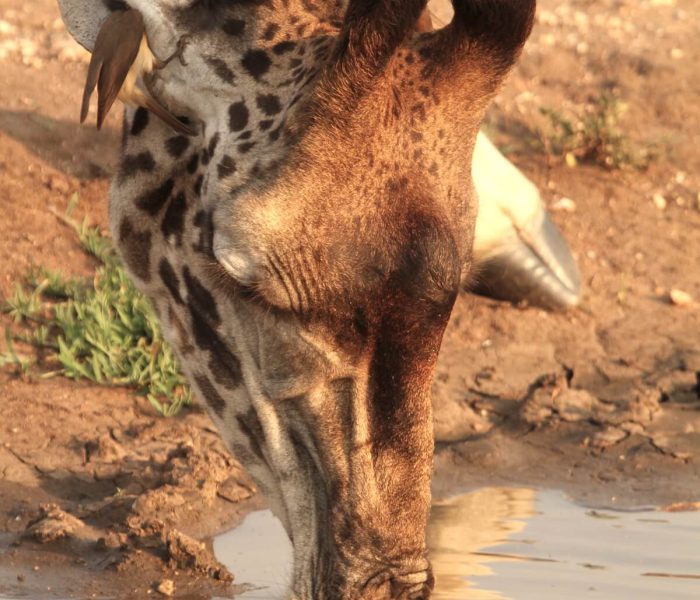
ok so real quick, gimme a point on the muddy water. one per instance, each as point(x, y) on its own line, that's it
point(515, 544)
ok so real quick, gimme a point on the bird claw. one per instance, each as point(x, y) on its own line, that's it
point(182, 44)
point(179, 53)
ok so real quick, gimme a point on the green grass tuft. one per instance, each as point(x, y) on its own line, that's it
point(100, 329)
point(594, 137)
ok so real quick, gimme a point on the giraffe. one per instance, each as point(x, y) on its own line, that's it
point(304, 248)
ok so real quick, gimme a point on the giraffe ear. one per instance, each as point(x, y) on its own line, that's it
point(83, 18)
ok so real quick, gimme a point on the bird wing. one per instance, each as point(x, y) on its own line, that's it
point(93, 73)
point(116, 48)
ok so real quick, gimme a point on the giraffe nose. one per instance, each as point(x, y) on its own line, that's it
point(412, 586)
point(417, 586)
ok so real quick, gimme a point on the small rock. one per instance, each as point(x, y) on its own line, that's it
point(53, 524)
point(547, 17)
point(682, 507)
point(575, 405)
point(28, 48)
point(66, 50)
point(8, 47)
point(659, 201)
point(564, 204)
point(632, 427)
point(680, 298)
point(608, 437)
point(677, 53)
point(166, 587)
point(6, 27)
point(666, 445)
point(233, 491)
point(571, 160)
point(58, 184)
point(548, 39)
point(185, 552)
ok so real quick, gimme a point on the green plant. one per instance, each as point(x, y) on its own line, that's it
point(101, 329)
point(593, 137)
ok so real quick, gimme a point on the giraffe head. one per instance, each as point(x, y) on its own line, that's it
point(304, 249)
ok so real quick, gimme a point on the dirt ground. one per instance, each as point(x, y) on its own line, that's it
point(602, 401)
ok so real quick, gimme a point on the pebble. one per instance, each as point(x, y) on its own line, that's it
point(681, 507)
point(58, 184)
point(66, 50)
point(8, 47)
point(564, 204)
point(547, 17)
point(6, 27)
point(680, 298)
point(659, 201)
point(677, 53)
point(548, 39)
point(166, 587)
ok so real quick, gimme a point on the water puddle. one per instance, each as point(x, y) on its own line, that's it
point(514, 544)
point(509, 544)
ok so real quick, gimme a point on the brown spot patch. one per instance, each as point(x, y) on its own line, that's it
point(170, 280)
point(200, 297)
point(256, 62)
point(140, 121)
point(174, 220)
point(211, 395)
point(135, 248)
point(154, 200)
point(177, 145)
point(252, 429)
point(137, 163)
point(223, 364)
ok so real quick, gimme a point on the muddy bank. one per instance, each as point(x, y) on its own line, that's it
point(93, 481)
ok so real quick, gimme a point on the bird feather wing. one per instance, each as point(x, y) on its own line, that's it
point(116, 48)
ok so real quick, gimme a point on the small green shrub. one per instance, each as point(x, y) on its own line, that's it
point(592, 137)
point(101, 329)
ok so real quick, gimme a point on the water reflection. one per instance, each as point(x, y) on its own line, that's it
point(462, 527)
point(515, 544)
point(259, 553)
